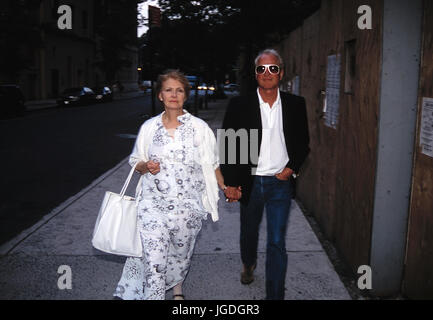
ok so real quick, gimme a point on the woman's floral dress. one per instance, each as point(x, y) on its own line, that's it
point(170, 214)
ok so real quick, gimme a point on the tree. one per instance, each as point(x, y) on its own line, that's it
point(116, 31)
point(208, 36)
point(262, 26)
point(193, 33)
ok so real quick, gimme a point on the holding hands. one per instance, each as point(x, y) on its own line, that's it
point(233, 194)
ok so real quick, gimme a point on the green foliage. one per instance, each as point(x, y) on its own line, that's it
point(206, 37)
point(115, 34)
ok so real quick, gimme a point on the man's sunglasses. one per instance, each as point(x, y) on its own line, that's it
point(273, 68)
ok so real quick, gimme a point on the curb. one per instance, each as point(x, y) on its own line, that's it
point(10, 245)
point(6, 248)
point(51, 106)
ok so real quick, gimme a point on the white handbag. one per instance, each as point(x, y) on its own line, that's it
point(116, 229)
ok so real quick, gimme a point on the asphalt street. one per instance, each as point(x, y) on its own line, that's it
point(49, 155)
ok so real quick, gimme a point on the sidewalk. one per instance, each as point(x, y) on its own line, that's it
point(34, 105)
point(29, 263)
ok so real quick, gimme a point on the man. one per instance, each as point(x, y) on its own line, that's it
point(280, 120)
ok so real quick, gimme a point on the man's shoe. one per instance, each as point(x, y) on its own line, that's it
point(247, 275)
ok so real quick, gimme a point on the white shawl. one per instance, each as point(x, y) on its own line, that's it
point(208, 158)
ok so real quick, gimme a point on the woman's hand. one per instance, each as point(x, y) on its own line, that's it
point(149, 166)
point(233, 194)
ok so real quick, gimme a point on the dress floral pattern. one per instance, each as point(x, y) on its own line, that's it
point(170, 214)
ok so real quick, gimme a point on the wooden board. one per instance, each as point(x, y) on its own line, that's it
point(418, 276)
point(337, 181)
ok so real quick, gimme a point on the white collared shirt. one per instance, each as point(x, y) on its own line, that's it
point(273, 153)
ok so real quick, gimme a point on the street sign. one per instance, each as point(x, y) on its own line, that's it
point(154, 17)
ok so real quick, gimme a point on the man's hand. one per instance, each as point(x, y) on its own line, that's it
point(285, 174)
point(233, 194)
point(149, 166)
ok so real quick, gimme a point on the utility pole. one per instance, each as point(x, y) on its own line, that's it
point(196, 97)
point(154, 22)
point(152, 75)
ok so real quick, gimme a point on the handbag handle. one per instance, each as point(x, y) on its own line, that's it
point(125, 186)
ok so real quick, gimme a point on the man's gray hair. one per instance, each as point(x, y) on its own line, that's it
point(269, 51)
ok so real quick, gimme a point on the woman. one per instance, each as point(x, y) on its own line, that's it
point(177, 156)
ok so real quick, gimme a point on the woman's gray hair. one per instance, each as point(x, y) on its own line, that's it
point(269, 51)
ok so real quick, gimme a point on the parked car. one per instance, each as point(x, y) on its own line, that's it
point(145, 85)
point(103, 94)
point(11, 101)
point(231, 87)
point(204, 86)
point(76, 96)
point(205, 89)
point(193, 81)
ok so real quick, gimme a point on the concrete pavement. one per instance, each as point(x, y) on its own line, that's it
point(30, 262)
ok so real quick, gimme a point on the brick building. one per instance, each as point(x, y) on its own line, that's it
point(69, 58)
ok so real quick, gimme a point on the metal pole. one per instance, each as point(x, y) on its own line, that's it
point(196, 99)
point(153, 100)
point(151, 73)
point(205, 99)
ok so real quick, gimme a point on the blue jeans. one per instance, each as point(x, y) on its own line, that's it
point(276, 196)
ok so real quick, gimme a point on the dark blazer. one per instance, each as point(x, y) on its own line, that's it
point(244, 112)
